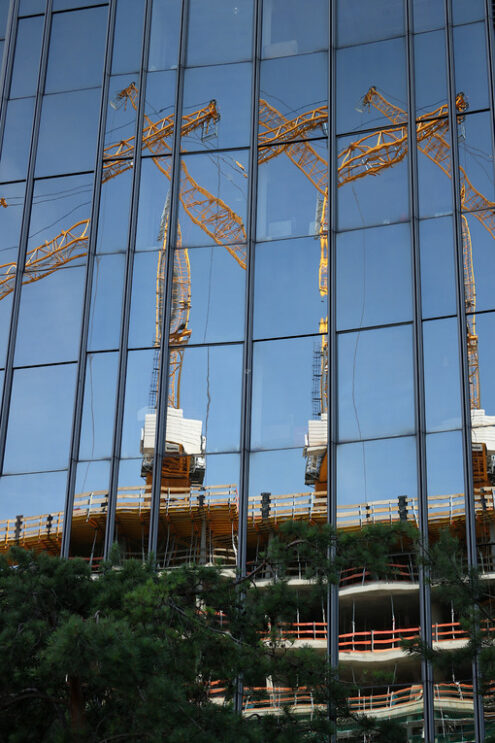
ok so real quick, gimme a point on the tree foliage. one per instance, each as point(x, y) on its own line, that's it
point(133, 654)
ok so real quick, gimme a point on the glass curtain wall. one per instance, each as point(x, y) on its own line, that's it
point(246, 278)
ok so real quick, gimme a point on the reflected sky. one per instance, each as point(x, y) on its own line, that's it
point(444, 463)
point(26, 57)
point(288, 27)
point(29, 495)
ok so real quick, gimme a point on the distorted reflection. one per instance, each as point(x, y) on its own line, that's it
point(228, 88)
point(120, 123)
point(206, 489)
point(471, 64)
point(288, 28)
point(476, 162)
point(115, 200)
point(381, 64)
point(293, 98)
point(89, 512)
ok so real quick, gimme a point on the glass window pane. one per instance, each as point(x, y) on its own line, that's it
point(380, 470)
point(375, 378)
point(464, 11)
point(77, 46)
point(49, 325)
point(128, 36)
point(427, 15)
point(90, 511)
point(476, 162)
point(441, 376)
point(212, 481)
point(359, 21)
point(4, 12)
point(143, 331)
point(213, 198)
point(288, 296)
point(205, 389)
point(33, 498)
point(373, 179)
point(279, 473)
point(219, 31)
point(133, 508)
point(282, 392)
point(471, 64)
point(288, 27)
point(115, 199)
point(61, 208)
point(120, 122)
point(382, 66)
point(140, 391)
point(29, 7)
point(216, 295)
point(430, 73)
point(295, 90)
point(478, 242)
point(16, 139)
point(40, 420)
point(67, 4)
point(106, 302)
point(434, 172)
point(154, 207)
point(292, 200)
point(98, 415)
point(165, 30)
point(373, 277)
point(227, 88)
point(159, 107)
point(68, 132)
point(444, 468)
point(437, 250)
point(5, 312)
point(482, 388)
point(26, 58)
point(10, 225)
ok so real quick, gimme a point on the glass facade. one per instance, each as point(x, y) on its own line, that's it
point(247, 277)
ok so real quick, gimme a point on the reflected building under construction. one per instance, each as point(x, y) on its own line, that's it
point(247, 270)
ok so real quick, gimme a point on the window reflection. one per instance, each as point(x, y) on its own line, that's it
point(50, 315)
point(430, 72)
point(121, 117)
point(382, 65)
point(286, 391)
point(375, 373)
point(288, 28)
point(476, 162)
point(219, 31)
point(209, 488)
point(153, 212)
point(68, 129)
point(33, 503)
point(115, 199)
point(133, 498)
point(444, 461)
point(99, 406)
point(373, 277)
point(128, 36)
point(106, 302)
point(26, 60)
point(441, 375)
point(295, 90)
point(228, 89)
point(213, 198)
point(464, 11)
point(438, 293)
point(292, 200)
point(434, 172)
point(359, 21)
point(28, 7)
point(478, 245)
point(471, 64)
point(16, 139)
point(77, 45)
point(140, 400)
point(290, 287)
point(380, 470)
point(205, 395)
point(89, 514)
point(427, 15)
point(164, 40)
point(40, 419)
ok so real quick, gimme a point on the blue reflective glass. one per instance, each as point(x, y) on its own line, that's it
point(99, 406)
point(128, 36)
point(444, 467)
point(294, 27)
point(471, 64)
point(16, 139)
point(40, 419)
point(442, 382)
point(359, 21)
point(29, 7)
point(77, 46)
point(437, 248)
point(164, 39)
point(428, 15)
point(28, 496)
point(68, 129)
point(464, 11)
point(26, 57)
point(219, 31)
point(106, 301)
